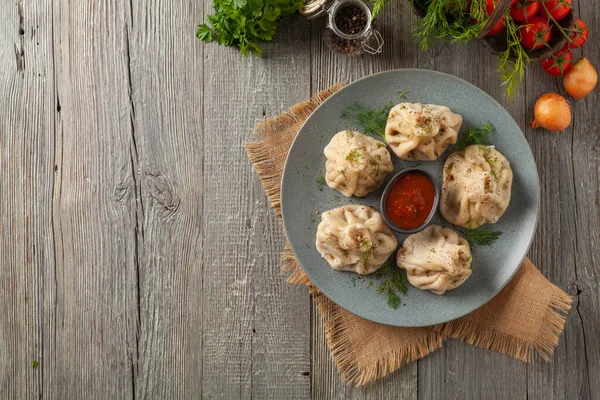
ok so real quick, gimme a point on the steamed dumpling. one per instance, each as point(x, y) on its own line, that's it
point(435, 259)
point(355, 238)
point(356, 163)
point(477, 186)
point(421, 132)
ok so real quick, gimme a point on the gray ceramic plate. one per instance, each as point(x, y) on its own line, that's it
point(301, 197)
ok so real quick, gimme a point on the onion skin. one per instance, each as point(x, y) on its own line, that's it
point(581, 79)
point(551, 112)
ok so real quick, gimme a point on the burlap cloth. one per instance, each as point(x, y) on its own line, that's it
point(525, 318)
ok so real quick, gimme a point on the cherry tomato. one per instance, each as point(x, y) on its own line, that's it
point(579, 34)
point(523, 10)
point(535, 34)
point(558, 63)
point(558, 8)
point(491, 6)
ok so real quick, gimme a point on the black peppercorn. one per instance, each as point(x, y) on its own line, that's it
point(351, 20)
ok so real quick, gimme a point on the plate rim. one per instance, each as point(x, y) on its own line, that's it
point(287, 173)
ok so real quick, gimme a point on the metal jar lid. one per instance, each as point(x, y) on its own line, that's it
point(315, 8)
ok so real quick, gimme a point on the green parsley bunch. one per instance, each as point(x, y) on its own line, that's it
point(243, 24)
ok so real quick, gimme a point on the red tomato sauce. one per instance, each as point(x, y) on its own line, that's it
point(410, 200)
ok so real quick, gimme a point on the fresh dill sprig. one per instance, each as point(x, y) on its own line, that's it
point(512, 71)
point(393, 283)
point(449, 21)
point(478, 136)
point(482, 236)
point(371, 122)
point(378, 5)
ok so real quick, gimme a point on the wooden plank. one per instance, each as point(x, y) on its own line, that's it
point(256, 336)
point(568, 163)
point(26, 169)
point(329, 68)
point(459, 370)
point(164, 61)
point(552, 251)
point(93, 207)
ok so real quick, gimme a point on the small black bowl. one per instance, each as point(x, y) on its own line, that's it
point(436, 200)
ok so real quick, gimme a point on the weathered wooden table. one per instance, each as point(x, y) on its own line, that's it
point(138, 255)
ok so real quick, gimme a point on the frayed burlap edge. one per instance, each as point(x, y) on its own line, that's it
point(337, 337)
point(291, 269)
point(544, 344)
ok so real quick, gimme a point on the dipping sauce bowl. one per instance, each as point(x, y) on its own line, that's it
point(409, 200)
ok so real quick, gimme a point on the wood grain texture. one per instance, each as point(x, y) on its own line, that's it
point(92, 209)
point(566, 246)
point(139, 256)
point(26, 184)
point(256, 328)
point(166, 158)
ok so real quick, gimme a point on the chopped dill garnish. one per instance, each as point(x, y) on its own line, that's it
point(482, 236)
point(402, 94)
point(353, 156)
point(493, 170)
point(320, 182)
point(371, 122)
point(373, 163)
point(494, 175)
point(478, 136)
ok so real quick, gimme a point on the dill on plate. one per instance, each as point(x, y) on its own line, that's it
point(369, 121)
point(394, 282)
point(482, 236)
point(478, 136)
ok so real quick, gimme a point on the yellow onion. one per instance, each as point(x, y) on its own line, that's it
point(581, 79)
point(551, 112)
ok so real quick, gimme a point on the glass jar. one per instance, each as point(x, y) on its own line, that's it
point(350, 30)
